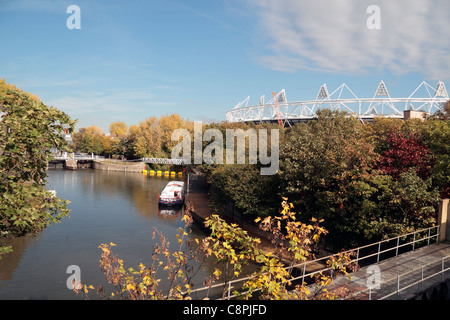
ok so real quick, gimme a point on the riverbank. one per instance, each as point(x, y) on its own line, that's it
point(199, 197)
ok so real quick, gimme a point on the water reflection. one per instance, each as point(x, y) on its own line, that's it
point(170, 212)
point(9, 262)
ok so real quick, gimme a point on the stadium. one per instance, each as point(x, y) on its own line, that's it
point(425, 99)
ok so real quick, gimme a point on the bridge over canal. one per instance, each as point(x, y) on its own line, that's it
point(71, 160)
point(94, 157)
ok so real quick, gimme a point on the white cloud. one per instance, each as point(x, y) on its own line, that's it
point(107, 102)
point(333, 36)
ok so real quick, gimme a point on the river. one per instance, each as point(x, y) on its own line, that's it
point(105, 207)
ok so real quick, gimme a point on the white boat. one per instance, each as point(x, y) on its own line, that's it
point(173, 194)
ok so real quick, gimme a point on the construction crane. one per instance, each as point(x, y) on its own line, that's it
point(277, 109)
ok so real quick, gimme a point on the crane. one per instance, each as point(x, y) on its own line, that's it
point(277, 109)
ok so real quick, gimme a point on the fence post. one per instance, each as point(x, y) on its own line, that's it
point(379, 249)
point(421, 280)
point(398, 243)
point(229, 289)
point(304, 271)
point(187, 183)
point(398, 287)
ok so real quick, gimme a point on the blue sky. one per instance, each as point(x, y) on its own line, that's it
point(134, 59)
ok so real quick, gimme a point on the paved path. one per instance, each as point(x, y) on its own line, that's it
point(389, 270)
point(198, 195)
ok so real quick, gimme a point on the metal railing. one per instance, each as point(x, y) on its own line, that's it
point(67, 156)
point(419, 238)
point(422, 273)
point(430, 265)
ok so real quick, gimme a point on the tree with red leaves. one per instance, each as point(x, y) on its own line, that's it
point(406, 152)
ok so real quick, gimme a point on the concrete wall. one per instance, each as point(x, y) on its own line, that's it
point(129, 167)
point(440, 291)
point(70, 164)
point(443, 219)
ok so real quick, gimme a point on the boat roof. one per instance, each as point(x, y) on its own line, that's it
point(176, 183)
point(173, 186)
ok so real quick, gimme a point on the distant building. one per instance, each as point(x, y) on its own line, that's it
point(414, 114)
point(67, 136)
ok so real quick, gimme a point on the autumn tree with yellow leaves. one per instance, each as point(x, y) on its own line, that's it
point(118, 129)
point(150, 138)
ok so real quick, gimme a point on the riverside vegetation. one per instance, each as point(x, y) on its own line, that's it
point(29, 129)
point(363, 181)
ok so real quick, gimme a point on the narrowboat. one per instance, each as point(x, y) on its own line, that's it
point(173, 194)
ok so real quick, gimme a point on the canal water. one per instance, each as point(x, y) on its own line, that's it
point(106, 207)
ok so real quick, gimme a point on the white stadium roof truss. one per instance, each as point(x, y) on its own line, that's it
point(381, 104)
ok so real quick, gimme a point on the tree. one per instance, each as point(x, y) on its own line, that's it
point(444, 113)
point(436, 136)
point(166, 126)
point(94, 130)
point(377, 131)
point(90, 140)
point(415, 200)
point(29, 129)
point(406, 152)
point(146, 139)
point(325, 168)
point(152, 137)
point(118, 129)
point(243, 187)
point(402, 205)
point(82, 141)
